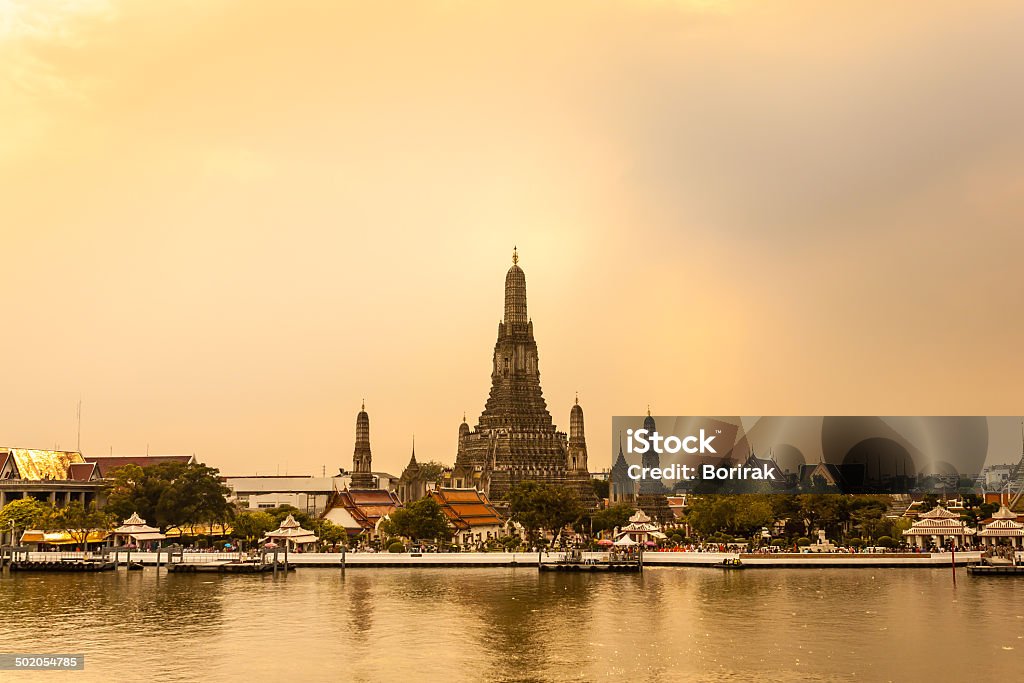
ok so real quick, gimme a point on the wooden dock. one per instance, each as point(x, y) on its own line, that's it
point(228, 567)
point(63, 566)
point(996, 570)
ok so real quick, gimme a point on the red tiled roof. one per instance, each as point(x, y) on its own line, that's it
point(466, 508)
point(81, 471)
point(105, 464)
point(366, 506)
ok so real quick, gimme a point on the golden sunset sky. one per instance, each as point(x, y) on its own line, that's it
point(222, 224)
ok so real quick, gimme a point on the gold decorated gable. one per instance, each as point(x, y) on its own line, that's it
point(38, 465)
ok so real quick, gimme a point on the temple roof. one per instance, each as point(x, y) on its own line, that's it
point(1004, 513)
point(948, 526)
point(60, 537)
point(1003, 527)
point(38, 465)
point(466, 508)
point(366, 506)
point(82, 471)
point(292, 530)
point(136, 527)
point(939, 512)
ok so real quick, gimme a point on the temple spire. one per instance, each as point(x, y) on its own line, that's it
point(576, 433)
point(515, 293)
point(362, 457)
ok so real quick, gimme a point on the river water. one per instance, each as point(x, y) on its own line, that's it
point(515, 624)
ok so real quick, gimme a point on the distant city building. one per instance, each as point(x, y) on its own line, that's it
point(309, 494)
point(995, 477)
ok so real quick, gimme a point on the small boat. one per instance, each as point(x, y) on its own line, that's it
point(63, 566)
point(595, 566)
point(574, 561)
point(731, 563)
point(228, 567)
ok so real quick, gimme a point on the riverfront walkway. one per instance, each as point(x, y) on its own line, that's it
point(651, 559)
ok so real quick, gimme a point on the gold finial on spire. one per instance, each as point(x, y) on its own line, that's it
point(648, 410)
point(577, 398)
point(515, 256)
point(463, 415)
point(364, 405)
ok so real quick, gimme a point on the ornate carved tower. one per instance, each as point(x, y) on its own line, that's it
point(515, 438)
point(516, 399)
point(651, 459)
point(362, 458)
point(577, 461)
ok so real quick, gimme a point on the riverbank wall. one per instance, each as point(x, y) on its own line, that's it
point(651, 559)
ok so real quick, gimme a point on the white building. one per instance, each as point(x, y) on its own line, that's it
point(937, 527)
point(309, 494)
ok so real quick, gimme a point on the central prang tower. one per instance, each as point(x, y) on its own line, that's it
point(515, 438)
point(516, 400)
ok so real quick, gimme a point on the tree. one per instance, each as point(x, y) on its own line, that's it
point(252, 524)
point(431, 471)
point(613, 516)
point(736, 514)
point(539, 506)
point(824, 511)
point(169, 495)
point(281, 512)
point(422, 520)
point(886, 542)
point(78, 521)
point(22, 514)
point(329, 532)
